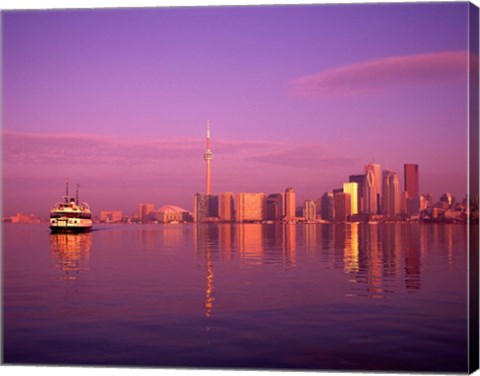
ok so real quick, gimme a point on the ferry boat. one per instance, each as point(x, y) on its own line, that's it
point(70, 215)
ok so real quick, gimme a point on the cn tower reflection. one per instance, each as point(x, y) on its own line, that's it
point(71, 253)
point(205, 236)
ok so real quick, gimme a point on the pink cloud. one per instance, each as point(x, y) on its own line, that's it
point(120, 172)
point(380, 74)
point(304, 156)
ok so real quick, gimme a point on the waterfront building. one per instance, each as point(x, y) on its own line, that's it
point(403, 203)
point(327, 207)
point(448, 198)
point(391, 194)
point(413, 205)
point(352, 189)
point(423, 202)
point(289, 204)
point(146, 212)
point(377, 182)
point(111, 216)
point(22, 218)
point(309, 211)
point(411, 179)
point(212, 204)
point(360, 180)
point(274, 207)
point(226, 207)
point(370, 193)
point(200, 207)
point(342, 202)
point(249, 207)
point(171, 213)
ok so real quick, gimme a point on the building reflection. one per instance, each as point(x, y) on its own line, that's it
point(71, 253)
point(146, 237)
point(310, 236)
point(375, 264)
point(172, 236)
point(225, 240)
point(351, 248)
point(289, 244)
point(378, 259)
point(249, 239)
point(412, 258)
point(206, 246)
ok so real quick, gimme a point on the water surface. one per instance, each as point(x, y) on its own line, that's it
point(320, 296)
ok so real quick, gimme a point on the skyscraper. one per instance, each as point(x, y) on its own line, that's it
point(226, 207)
point(289, 204)
point(377, 182)
point(327, 207)
point(208, 156)
point(370, 194)
point(309, 211)
point(412, 188)
point(249, 207)
point(146, 212)
point(411, 179)
point(360, 180)
point(391, 194)
point(200, 207)
point(274, 207)
point(352, 189)
point(342, 202)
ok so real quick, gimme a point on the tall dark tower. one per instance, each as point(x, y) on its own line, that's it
point(411, 179)
point(208, 156)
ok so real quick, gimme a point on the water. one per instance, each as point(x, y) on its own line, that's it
point(343, 297)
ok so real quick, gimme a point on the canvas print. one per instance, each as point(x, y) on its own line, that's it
point(287, 187)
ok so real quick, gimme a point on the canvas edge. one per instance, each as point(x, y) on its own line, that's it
point(473, 186)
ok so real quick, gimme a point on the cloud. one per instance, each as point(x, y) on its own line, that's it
point(304, 156)
point(119, 172)
point(101, 155)
point(380, 74)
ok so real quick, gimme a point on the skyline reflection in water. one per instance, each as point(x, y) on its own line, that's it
point(310, 296)
point(372, 255)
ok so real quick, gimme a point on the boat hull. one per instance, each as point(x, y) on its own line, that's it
point(70, 229)
point(70, 225)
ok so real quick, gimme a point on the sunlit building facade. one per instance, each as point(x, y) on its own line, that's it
point(249, 207)
point(200, 207)
point(226, 207)
point(289, 204)
point(370, 194)
point(146, 213)
point(171, 213)
point(110, 216)
point(376, 177)
point(391, 194)
point(360, 180)
point(352, 189)
point(309, 211)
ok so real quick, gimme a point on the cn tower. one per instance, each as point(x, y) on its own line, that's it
point(208, 156)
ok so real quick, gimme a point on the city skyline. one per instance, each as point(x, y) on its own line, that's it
point(285, 100)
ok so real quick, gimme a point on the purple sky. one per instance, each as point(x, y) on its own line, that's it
point(301, 96)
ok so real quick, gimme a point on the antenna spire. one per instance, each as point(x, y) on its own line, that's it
point(78, 186)
point(66, 190)
point(208, 156)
